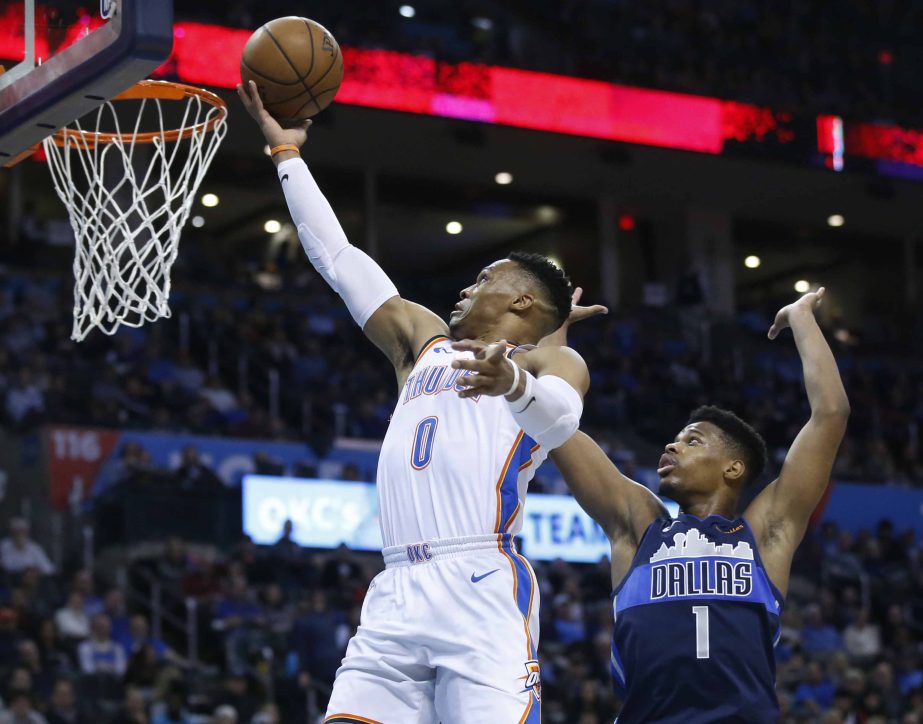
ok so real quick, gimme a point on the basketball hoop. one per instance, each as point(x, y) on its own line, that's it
point(128, 205)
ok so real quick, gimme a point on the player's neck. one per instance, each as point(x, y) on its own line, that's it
point(714, 504)
point(514, 333)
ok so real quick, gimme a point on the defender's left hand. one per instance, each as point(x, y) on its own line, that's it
point(494, 374)
point(807, 304)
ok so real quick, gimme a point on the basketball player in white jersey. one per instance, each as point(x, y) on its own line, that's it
point(449, 631)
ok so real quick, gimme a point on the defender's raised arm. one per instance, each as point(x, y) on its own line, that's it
point(397, 327)
point(781, 512)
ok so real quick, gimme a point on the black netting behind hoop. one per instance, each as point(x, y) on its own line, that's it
point(128, 202)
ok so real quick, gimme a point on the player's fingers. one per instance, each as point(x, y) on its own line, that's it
point(496, 351)
point(255, 95)
point(475, 365)
point(468, 345)
point(773, 332)
point(575, 299)
point(820, 294)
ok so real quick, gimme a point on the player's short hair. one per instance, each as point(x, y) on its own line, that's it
point(551, 278)
point(739, 435)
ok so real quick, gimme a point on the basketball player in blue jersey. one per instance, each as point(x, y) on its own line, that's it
point(697, 599)
point(449, 631)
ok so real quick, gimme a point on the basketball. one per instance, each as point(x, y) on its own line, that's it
point(297, 67)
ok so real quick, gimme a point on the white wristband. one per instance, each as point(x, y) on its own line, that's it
point(515, 378)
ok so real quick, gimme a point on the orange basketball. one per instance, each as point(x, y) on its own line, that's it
point(296, 65)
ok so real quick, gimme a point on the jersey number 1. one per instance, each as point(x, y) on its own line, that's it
point(701, 631)
point(423, 443)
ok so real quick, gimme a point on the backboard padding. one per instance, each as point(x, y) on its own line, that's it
point(72, 83)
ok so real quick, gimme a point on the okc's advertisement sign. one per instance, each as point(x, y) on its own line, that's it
point(326, 513)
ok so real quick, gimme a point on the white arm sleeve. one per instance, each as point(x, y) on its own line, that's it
point(548, 411)
point(351, 272)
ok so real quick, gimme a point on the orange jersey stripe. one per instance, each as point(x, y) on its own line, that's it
point(355, 717)
point(428, 347)
point(506, 466)
point(512, 517)
point(525, 621)
point(525, 714)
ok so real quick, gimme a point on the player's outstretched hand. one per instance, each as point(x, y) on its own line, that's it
point(494, 373)
point(578, 313)
point(275, 134)
point(806, 305)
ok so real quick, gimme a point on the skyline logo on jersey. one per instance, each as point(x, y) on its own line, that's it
point(434, 380)
point(692, 544)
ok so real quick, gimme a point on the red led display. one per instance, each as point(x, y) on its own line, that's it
point(209, 55)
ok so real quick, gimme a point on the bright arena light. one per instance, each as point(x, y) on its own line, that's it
point(504, 178)
point(210, 200)
point(454, 227)
point(407, 11)
point(752, 262)
point(802, 286)
point(835, 220)
point(272, 227)
point(198, 221)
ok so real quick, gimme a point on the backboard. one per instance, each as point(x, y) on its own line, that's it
point(63, 58)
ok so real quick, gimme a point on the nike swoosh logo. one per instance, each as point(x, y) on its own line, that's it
point(285, 177)
point(478, 579)
point(527, 406)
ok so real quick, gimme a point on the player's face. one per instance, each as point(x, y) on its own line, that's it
point(694, 462)
point(485, 301)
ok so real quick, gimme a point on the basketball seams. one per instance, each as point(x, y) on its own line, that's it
point(333, 64)
point(292, 65)
point(276, 56)
point(250, 68)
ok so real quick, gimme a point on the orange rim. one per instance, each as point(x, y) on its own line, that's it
point(161, 90)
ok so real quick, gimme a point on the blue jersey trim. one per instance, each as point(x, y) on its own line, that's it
point(509, 488)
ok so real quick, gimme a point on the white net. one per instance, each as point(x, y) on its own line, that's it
point(128, 196)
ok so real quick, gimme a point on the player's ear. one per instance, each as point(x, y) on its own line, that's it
point(735, 471)
point(522, 302)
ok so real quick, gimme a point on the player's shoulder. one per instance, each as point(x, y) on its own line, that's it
point(530, 353)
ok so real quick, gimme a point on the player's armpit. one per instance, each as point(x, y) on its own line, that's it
point(780, 513)
point(400, 329)
point(622, 507)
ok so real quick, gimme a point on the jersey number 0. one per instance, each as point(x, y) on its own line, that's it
point(423, 443)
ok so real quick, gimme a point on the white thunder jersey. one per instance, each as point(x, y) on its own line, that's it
point(451, 467)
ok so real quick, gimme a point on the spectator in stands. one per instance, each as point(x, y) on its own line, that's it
point(100, 654)
point(20, 552)
point(193, 475)
point(818, 636)
point(42, 678)
point(817, 688)
point(25, 400)
point(173, 709)
point(71, 620)
point(84, 584)
point(63, 708)
point(862, 639)
point(224, 714)
point(134, 710)
point(319, 639)
point(219, 397)
point(21, 710)
point(234, 615)
point(139, 636)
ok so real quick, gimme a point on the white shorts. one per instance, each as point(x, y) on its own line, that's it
point(448, 634)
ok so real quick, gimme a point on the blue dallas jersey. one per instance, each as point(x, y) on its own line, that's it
point(696, 620)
